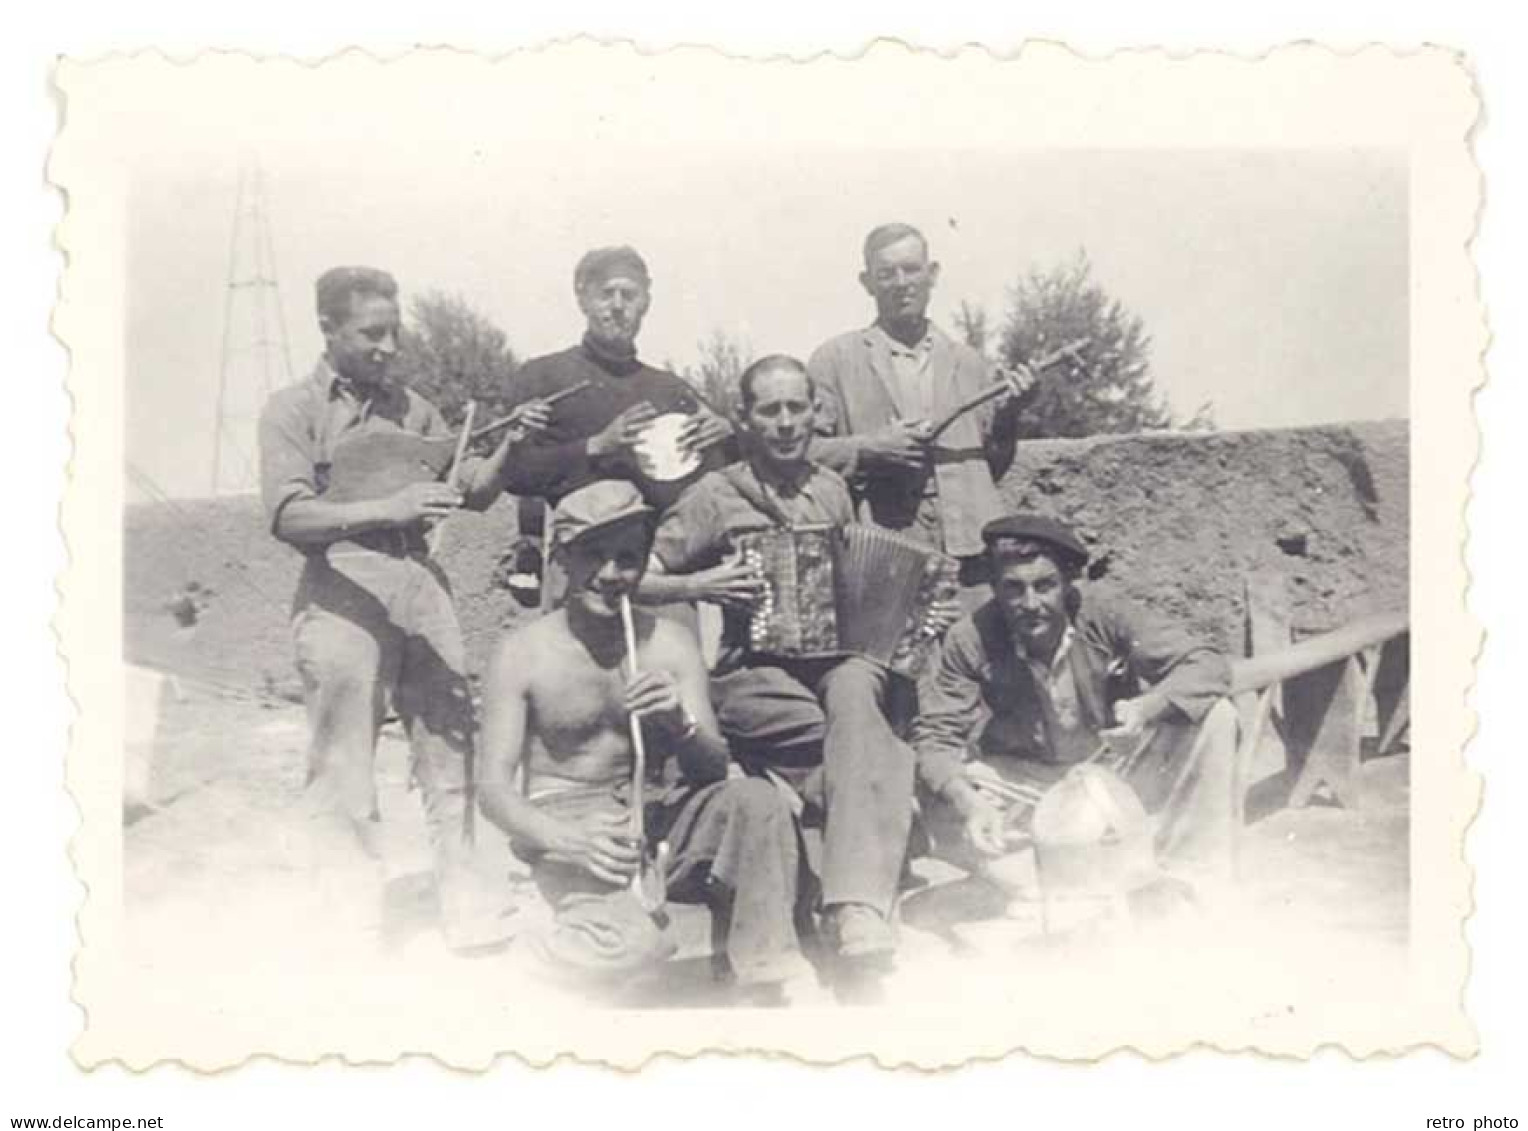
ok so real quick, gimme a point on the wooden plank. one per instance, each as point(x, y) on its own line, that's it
point(1392, 685)
point(1323, 724)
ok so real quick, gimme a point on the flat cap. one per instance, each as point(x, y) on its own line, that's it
point(596, 507)
point(1038, 528)
point(605, 262)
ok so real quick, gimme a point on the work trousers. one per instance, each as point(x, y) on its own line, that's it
point(372, 627)
point(822, 725)
point(1183, 778)
point(732, 845)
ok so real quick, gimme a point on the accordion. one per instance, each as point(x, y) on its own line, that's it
point(831, 590)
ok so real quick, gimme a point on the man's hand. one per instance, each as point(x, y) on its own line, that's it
point(984, 826)
point(624, 432)
point(1131, 718)
point(704, 428)
point(732, 585)
point(899, 445)
point(600, 844)
point(654, 696)
point(529, 418)
point(420, 501)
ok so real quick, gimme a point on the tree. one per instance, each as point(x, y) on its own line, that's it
point(451, 354)
point(1107, 386)
point(715, 376)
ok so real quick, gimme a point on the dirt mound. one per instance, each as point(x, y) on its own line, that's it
point(1178, 521)
point(1175, 520)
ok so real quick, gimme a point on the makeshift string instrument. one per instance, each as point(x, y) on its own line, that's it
point(1016, 381)
point(374, 465)
point(649, 883)
point(1020, 799)
point(831, 590)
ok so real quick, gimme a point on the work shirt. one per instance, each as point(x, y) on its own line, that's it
point(865, 381)
point(1067, 735)
point(988, 698)
point(555, 462)
point(701, 529)
point(301, 424)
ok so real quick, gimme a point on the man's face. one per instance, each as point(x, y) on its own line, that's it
point(606, 564)
point(780, 417)
point(362, 347)
point(614, 308)
point(900, 278)
point(1032, 593)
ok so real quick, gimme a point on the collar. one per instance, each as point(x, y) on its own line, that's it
point(785, 484)
point(922, 346)
point(618, 362)
point(334, 385)
point(1063, 649)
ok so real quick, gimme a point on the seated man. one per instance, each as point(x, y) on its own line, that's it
point(558, 701)
point(820, 715)
point(1040, 678)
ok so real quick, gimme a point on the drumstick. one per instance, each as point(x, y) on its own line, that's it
point(549, 401)
point(1008, 385)
point(435, 538)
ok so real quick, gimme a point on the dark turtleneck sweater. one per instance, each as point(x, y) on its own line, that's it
point(557, 461)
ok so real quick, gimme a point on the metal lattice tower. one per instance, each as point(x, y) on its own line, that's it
point(257, 356)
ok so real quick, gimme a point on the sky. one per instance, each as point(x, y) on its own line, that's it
point(1273, 283)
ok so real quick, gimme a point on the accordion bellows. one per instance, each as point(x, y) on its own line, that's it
point(847, 589)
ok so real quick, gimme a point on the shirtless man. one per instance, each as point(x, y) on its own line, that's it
point(557, 704)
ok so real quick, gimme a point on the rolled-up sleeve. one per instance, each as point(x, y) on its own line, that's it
point(1184, 669)
point(950, 708)
point(689, 535)
point(287, 465)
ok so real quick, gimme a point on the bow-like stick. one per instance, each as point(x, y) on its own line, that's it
point(648, 882)
point(436, 535)
point(1016, 381)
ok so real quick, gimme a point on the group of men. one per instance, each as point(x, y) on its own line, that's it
point(784, 790)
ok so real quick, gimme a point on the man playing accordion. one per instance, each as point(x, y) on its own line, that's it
point(818, 722)
point(1041, 678)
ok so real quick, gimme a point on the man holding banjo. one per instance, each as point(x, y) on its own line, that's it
point(919, 424)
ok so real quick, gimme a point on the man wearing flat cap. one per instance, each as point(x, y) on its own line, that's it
point(558, 703)
point(1041, 678)
point(594, 434)
point(373, 620)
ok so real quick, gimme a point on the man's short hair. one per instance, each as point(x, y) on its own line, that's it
point(887, 234)
point(337, 287)
point(599, 264)
point(768, 364)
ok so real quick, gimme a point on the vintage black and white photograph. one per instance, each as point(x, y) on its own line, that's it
point(606, 554)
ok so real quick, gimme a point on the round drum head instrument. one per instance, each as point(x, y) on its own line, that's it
point(660, 455)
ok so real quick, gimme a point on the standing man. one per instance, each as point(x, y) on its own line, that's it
point(593, 435)
point(818, 722)
point(373, 619)
point(558, 704)
point(1041, 678)
point(882, 389)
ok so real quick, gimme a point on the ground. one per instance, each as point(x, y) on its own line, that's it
point(214, 848)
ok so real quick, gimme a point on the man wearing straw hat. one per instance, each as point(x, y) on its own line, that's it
point(1042, 678)
point(373, 618)
point(573, 702)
